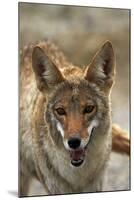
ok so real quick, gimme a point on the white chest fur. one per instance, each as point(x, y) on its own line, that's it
point(64, 178)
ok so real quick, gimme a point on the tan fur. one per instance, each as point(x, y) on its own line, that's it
point(120, 140)
point(45, 76)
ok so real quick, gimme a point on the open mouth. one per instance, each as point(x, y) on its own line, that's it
point(77, 157)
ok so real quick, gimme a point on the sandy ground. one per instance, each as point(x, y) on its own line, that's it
point(79, 32)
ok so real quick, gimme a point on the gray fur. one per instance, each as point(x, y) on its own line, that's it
point(42, 150)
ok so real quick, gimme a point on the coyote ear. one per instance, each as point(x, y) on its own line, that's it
point(46, 73)
point(102, 68)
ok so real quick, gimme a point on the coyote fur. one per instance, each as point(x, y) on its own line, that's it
point(65, 119)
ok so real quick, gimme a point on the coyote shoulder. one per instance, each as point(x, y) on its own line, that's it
point(65, 119)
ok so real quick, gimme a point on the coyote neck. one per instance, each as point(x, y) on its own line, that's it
point(57, 173)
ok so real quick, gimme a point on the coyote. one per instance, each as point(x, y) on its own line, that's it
point(65, 119)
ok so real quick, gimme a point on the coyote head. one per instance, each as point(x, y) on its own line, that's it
point(77, 104)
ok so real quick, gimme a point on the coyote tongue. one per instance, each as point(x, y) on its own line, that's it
point(77, 154)
point(77, 157)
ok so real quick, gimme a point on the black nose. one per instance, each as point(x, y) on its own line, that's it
point(74, 143)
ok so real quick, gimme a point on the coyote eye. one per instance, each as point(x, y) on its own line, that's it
point(89, 109)
point(60, 111)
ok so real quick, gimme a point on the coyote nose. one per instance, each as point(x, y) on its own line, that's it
point(74, 142)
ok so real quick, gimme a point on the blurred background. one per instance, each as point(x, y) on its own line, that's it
point(79, 32)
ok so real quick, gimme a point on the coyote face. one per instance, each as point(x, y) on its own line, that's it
point(73, 112)
point(77, 103)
